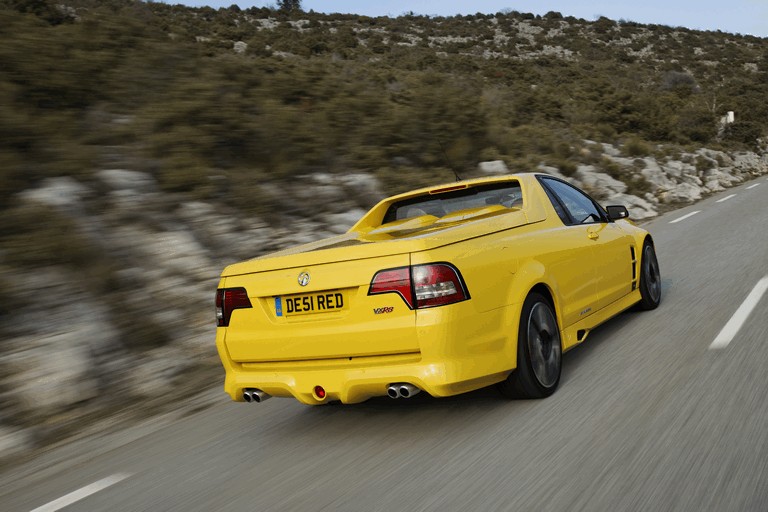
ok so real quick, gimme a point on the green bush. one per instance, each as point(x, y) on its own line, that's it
point(635, 147)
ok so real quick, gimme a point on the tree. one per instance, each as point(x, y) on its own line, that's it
point(289, 5)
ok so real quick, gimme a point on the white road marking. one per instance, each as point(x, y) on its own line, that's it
point(685, 217)
point(725, 198)
point(753, 186)
point(740, 316)
point(82, 493)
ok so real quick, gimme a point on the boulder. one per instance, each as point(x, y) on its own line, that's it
point(64, 193)
point(681, 193)
point(656, 176)
point(339, 223)
point(599, 182)
point(364, 188)
point(240, 46)
point(554, 171)
point(53, 372)
point(749, 162)
point(639, 208)
point(155, 372)
point(676, 168)
point(309, 192)
point(493, 167)
point(611, 150)
point(177, 252)
point(122, 179)
point(14, 442)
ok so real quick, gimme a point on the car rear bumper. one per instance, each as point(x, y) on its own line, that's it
point(351, 385)
point(456, 356)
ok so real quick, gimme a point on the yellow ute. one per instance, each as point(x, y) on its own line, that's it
point(444, 290)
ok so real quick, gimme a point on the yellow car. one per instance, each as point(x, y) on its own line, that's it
point(445, 290)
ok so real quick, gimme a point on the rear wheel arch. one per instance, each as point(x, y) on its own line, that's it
point(539, 348)
point(532, 276)
point(544, 290)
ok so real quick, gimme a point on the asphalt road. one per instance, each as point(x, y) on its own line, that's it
point(649, 416)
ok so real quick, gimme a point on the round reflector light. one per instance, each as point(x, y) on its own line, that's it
point(319, 392)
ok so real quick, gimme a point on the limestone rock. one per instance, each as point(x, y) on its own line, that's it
point(65, 193)
point(14, 442)
point(493, 167)
point(598, 181)
point(611, 150)
point(639, 208)
point(364, 188)
point(122, 179)
point(682, 193)
point(654, 175)
point(339, 223)
point(240, 47)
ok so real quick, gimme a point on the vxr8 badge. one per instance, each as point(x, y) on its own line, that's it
point(381, 311)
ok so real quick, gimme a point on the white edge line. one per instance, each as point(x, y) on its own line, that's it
point(685, 217)
point(725, 198)
point(82, 493)
point(740, 316)
point(753, 186)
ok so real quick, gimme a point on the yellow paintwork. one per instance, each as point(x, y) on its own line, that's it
point(502, 254)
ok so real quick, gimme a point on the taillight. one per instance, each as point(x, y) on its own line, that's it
point(437, 284)
point(394, 280)
point(228, 300)
point(422, 286)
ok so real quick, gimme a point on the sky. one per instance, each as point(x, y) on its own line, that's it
point(735, 16)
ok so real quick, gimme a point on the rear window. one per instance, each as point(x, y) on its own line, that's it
point(508, 195)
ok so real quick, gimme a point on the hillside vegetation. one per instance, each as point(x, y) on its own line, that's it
point(212, 101)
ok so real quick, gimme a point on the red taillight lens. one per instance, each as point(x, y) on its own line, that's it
point(437, 284)
point(228, 300)
point(394, 280)
point(422, 286)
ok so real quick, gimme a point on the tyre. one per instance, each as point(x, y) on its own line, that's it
point(650, 278)
point(539, 352)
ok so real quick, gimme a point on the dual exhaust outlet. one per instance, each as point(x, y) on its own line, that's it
point(402, 390)
point(255, 395)
point(395, 390)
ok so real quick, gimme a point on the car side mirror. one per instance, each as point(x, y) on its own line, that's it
point(616, 212)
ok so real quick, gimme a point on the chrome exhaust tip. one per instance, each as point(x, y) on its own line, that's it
point(259, 396)
point(255, 395)
point(408, 390)
point(402, 390)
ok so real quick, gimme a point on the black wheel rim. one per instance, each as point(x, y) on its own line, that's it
point(652, 274)
point(544, 344)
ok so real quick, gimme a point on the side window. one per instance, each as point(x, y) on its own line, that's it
point(557, 204)
point(579, 206)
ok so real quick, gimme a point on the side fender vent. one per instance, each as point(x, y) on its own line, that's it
point(633, 258)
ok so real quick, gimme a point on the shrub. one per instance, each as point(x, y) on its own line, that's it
point(566, 167)
point(635, 147)
point(704, 164)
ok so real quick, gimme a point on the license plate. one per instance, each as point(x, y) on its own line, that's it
point(325, 302)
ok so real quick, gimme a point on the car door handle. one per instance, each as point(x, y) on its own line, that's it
point(593, 235)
